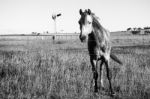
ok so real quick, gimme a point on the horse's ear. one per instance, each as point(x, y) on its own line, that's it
point(89, 11)
point(80, 11)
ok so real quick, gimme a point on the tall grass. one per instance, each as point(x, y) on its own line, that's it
point(40, 72)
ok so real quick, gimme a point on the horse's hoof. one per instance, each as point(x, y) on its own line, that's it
point(102, 88)
point(95, 90)
point(112, 94)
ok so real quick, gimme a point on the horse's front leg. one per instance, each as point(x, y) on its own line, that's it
point(101, 76)
point(94, 64)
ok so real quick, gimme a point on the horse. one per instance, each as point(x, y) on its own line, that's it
point(99, 45)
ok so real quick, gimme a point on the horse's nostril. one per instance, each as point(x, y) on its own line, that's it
point(82, 38)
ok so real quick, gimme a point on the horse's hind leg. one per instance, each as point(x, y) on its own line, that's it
point(95, 73)
point(95, 78)
point(107, 70)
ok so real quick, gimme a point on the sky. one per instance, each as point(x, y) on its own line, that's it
point(26, 16)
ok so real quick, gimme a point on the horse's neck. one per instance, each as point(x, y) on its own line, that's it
point(99, 39)
point(100, 31)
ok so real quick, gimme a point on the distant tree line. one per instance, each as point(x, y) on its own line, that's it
point(36, 33)
point(139, 30)
point(147, 27)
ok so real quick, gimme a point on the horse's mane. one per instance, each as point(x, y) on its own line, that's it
point(100, 32)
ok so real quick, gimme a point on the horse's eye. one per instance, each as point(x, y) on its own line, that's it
point(89, 22)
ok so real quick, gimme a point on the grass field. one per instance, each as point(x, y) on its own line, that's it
point(41, 69)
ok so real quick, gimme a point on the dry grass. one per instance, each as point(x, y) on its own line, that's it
point(40, 72)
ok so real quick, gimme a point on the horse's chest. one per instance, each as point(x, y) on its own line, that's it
point(94, 50)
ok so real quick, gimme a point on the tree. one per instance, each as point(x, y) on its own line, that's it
point(128, 29)
point(46, 32)
point(139, 29)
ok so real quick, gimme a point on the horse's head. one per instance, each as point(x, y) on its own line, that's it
point(85, 23)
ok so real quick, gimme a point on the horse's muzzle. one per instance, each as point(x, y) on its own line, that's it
point(82, 38)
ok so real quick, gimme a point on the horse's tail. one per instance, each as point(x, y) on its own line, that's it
point(114, 57)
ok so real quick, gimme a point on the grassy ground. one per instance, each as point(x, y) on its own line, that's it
point(34, 69)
